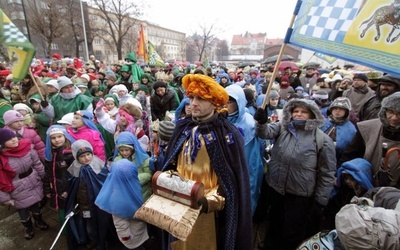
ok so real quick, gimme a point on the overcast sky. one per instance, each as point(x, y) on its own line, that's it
point(230, 17)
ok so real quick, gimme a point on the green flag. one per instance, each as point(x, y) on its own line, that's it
point(154, 58)
point(20, 50)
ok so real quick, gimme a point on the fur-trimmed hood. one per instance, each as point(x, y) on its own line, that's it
point(133, 110)
point(311, 124)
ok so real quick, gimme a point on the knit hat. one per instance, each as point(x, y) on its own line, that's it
point(55, 130)
point(11, 116)
point(273, 94)
point(165, 130)
point(361, 76)
point(86, 77)
point(22, 106)
point(53, 83)
point(64, 81)
point(83, 150)
point(320, 80)
point(341, 102)
point(159, 84)
point(285, 79)
point(390, 102)
point(66, 119)
point(321, 94)
point(206, 87)
point(6, 135)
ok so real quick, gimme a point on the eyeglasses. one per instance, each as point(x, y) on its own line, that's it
point(390, 113)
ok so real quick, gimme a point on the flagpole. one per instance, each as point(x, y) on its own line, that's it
point(283, 47)
point(84, 32)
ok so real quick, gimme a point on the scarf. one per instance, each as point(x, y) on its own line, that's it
point(362, 90)
point(7, 174)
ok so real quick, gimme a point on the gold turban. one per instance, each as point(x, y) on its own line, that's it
point(206, 88)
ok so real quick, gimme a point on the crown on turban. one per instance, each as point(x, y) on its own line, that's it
point(206, 88)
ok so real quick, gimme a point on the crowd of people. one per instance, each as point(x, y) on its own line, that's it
point(91, 135)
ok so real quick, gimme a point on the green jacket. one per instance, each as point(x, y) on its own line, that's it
point(64, 106)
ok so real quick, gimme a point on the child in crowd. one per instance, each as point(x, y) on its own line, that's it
point(21, 180)
point(58, 157)
point(83, 127)
point(14, 121)
point(128, 147)
point(88, 175)
point(111, 104)
point(40, 118)
point(121, 196)
point(27, 113)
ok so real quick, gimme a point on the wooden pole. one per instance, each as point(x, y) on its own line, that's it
point(37, 85)
point(274, 73)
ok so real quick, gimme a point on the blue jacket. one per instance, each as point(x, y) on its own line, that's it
point(345, 133)
point(244, 121)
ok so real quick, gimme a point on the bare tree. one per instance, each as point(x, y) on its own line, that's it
point(46, 19)
point(205, 40)
point(118, 16)
point(74, 23)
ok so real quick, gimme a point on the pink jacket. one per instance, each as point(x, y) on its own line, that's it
point(32, 135)
point(28, 190)
point(93, 137)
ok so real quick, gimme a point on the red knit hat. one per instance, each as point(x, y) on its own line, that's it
point(285, 79)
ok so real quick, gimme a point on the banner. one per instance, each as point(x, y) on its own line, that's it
point(329, 59)
point(154, 58)
point(364, 32)
point(20, 50)
point(141, 51)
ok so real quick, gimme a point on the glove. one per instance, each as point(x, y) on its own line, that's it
point(100, 104)
point(261, 116)
point(212, 202)
point(44, 104)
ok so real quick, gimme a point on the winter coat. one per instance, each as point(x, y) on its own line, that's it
point(297, 166)
point(245, 123)
point(32, 135)
point(63, 106)
point(93, 137)
point(161, 104)
point(57, 175)
point(29, 190)
point(344, 134)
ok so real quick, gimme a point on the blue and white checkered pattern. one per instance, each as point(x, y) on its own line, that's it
point(330, 19)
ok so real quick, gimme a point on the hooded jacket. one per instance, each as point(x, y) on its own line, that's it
point(245, 123)
point(297, 166)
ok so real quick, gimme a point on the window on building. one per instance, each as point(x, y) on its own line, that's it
point(25, 30)
point(14, 1)
point(97, 41)
point(54, 46)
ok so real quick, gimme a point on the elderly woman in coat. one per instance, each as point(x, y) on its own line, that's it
point(300, 174)
point(21, 186)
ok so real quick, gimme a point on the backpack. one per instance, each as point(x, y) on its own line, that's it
point(362, 226)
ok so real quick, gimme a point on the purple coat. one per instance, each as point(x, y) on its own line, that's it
point(29, 190)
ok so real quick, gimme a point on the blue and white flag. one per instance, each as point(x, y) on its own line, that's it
point(364, 32)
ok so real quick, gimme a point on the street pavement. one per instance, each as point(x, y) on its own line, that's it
point(12, 232)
